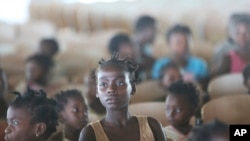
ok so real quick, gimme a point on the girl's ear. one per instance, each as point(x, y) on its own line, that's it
point(133, 88)
point(40, 129)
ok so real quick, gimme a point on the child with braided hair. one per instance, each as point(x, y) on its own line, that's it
point(31, 117)
point(115, 85)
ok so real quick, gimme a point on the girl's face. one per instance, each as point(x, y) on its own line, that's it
point(19, 127)
point(241, 35)
point(170, 76)
point(126, 49)
point(34, 72)
point(75, 114)
point(178, 43)
point(178, 110)
point(114, 87)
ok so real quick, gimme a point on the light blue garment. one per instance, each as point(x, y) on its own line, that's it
point(196, 66)
point(148, 49)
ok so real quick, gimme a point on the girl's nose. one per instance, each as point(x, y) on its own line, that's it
point(7, 130)
point(111, 89)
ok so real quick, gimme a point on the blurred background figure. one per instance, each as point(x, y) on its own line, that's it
point(144, 36)
point(48, 47)
point(170, 73)
point(213, 131)
point(37, 74)
point(233, 56)
point(191, 67)
point(122, 44)
point(94, 104)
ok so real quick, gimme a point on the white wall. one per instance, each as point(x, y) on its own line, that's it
point(14, 11)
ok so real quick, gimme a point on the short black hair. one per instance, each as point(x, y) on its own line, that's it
point(185, 89)
point(170, 65)
point(116, 41)
point(178, 28)
point(62, 98)
point(144, 22)
point(206, 132)
point(237, 18)
point(246, 73)
point(44, 61)
point(51, 43)
point(39, 107)
point(126, 64)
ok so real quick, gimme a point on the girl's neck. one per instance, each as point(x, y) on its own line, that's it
point(42, 83)
point(183, 129)
point(71, 133)
point(117, 118)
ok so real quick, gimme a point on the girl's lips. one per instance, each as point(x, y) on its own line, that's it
point(112, 100)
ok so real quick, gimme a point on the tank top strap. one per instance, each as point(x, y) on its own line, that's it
point(99, 131)
point(146, 133)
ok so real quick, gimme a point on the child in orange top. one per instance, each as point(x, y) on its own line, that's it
point(115, 85)
point(181, 104)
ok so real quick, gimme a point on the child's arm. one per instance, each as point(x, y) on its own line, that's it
point(156, 129)
point(87, 134)
point(221, 66)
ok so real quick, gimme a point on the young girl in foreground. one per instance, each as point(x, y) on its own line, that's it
point(181, 104)
point(31, 117)
point(115, 85)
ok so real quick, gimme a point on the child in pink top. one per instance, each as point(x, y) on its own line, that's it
point(235, 60)
point(237, 63)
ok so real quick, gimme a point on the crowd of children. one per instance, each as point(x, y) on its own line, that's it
point(40, 110)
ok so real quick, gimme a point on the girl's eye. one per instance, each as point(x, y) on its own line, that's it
point(15, 123)
point(121, 83)
point(75, 110)
point(178, 110)
point(103, 84)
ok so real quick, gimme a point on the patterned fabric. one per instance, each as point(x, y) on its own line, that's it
point(146, 133)
point(173, 134)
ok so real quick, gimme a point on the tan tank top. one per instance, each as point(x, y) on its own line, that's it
point(146, 133)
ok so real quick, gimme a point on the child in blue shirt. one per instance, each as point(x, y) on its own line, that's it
point(192, 68)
